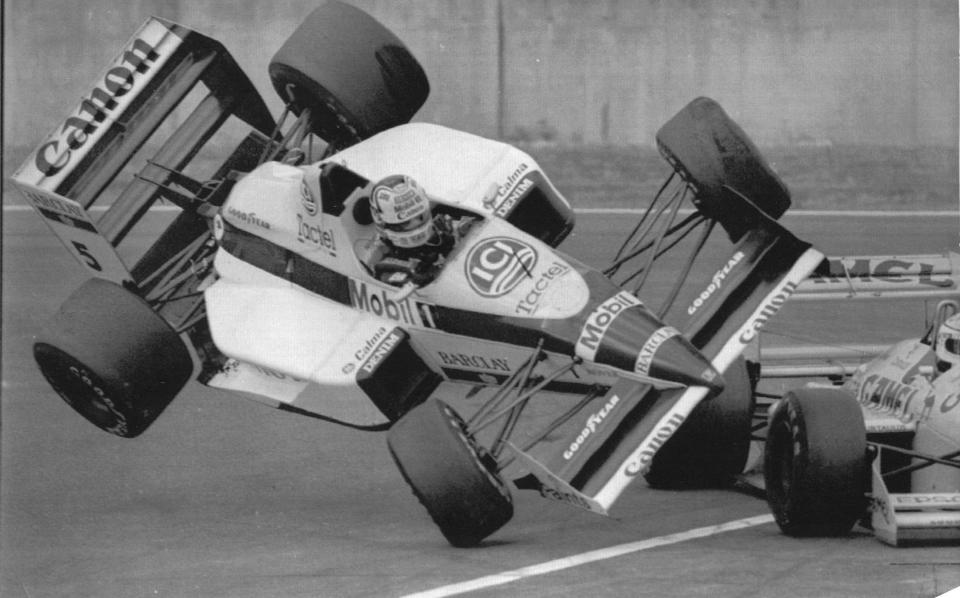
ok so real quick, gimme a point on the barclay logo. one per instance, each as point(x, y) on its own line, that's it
point(496, 266)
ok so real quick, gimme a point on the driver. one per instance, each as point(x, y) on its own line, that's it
point(413, 242)
point(948, 344)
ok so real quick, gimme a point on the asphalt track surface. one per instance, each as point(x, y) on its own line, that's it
point(226, 497)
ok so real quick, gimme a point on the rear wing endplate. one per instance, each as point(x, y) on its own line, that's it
point(132, 98)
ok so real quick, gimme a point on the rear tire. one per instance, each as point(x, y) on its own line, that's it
point(356, 77)
point(112, 358)
point(815, 463)
point(711, 447)
point(714, 154)
point(450, 474)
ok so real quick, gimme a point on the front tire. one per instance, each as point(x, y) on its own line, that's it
point(356, 77)
point(112, 358)
point(717, 157)
point(815, 463)
point(454, 478)
point(711, 447)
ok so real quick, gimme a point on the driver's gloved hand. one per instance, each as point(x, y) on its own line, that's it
point(398, 272)
point(397, 279)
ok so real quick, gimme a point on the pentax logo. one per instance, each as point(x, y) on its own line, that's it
point(382, 350)
point(495, 266)
point(368, 346)
point(506, 206)
point(501, 190)
point(107, 100)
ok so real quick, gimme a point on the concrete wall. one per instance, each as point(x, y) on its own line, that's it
point(607, 71)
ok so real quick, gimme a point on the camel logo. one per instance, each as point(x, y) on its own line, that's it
point(495, 266)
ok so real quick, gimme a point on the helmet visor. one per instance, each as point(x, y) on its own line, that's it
point(409, 225)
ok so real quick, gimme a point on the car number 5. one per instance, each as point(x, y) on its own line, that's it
point(86, 256)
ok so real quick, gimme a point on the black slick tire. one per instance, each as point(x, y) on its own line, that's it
point(711, 447)
point(815, 463)
point(356, 77)
point(449, 473)
point(717, 157)
point(112, 358)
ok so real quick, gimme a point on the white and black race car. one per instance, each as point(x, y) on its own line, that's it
point(263, 282)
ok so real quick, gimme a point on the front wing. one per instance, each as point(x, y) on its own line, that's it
point(621, 431)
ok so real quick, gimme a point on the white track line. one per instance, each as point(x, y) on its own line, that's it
point(954, 593)
point(810, 213)
point(637, 211)
point(589, 557)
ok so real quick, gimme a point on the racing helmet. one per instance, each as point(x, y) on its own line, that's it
point(401, 211)
point(948, 343)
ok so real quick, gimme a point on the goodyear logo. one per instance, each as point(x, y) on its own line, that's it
point(495, 266)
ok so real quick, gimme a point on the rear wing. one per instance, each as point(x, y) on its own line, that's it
point(155, 72)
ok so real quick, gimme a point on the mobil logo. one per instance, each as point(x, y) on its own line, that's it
point(495, 266)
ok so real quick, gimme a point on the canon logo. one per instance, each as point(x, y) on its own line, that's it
point(54, 155)
point(663, 433)
point(495, 266)
point(769, 309)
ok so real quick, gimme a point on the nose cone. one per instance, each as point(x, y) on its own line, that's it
point(669, 356)
point(622, 333)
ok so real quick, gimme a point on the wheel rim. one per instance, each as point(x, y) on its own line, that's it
point(783, 460)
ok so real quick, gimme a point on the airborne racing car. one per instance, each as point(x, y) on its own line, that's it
point(262, 283)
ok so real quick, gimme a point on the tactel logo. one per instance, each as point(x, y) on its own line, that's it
point(495, 266)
